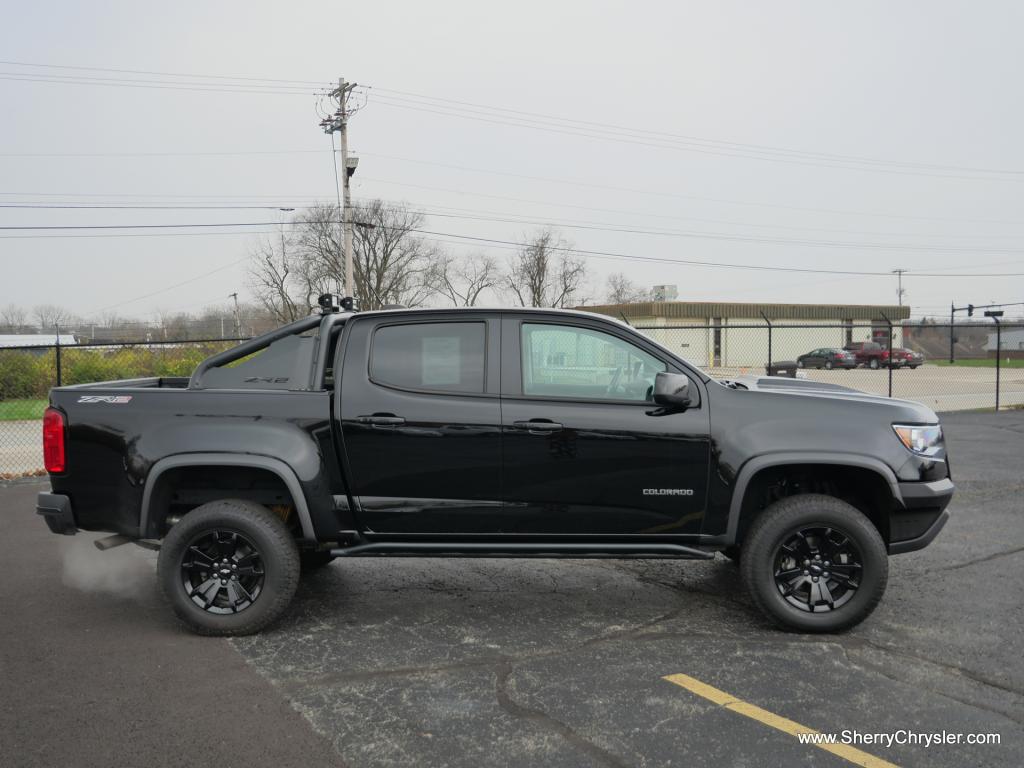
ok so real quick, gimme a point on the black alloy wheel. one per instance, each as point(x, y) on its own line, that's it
point(817, 568)
point(229, 567)
point(222, 571)
point(814, 563)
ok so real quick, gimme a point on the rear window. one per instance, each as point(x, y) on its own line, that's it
point(440, 357)
point(283, 364)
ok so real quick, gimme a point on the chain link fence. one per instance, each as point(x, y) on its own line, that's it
point(28, 372)
point(946, 367)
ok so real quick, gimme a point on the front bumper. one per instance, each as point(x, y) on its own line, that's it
point(56, 510)
point(922, 517)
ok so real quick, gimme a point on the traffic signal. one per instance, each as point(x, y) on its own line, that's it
point(970, 310)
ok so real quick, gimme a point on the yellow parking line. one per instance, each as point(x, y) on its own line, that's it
point(727, 700)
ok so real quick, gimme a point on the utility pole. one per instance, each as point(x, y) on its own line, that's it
point(238, 320)
point(338, 123)
point(899, 290)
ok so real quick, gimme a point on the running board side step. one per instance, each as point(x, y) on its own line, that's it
point(519, 549)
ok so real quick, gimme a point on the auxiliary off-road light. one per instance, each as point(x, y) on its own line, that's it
point(924, 441)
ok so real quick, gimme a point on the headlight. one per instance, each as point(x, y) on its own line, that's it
point(924, 441)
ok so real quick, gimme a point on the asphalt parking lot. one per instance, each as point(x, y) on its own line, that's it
point(388, 662)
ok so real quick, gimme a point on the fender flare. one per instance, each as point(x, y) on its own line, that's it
point(755, 465)
point(276, 466)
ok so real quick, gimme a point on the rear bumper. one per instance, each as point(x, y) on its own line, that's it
point(56, 511)
point(923, 516)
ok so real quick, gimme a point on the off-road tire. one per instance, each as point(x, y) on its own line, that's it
point(776, 524)
point(277, 551)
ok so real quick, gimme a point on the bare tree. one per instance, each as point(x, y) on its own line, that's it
point(272, 282)
point(50, 315)
point(13, 319)
point(392, 264)
point(461, 280)
point(622, 290)
point(545, 273)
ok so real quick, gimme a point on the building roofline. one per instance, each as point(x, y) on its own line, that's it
point(706, 310)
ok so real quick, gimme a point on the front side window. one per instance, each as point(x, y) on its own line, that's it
point(583, 364)
point(444, 357)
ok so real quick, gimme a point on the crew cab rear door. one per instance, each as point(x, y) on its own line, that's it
point(420, 421)
point(586, 449)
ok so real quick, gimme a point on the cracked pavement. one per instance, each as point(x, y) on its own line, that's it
point(403, 661)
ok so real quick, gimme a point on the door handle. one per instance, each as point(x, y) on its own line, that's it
point(538, 426)
point(381, 420)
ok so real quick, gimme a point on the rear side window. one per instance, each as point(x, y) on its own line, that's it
point(283, 364)
point(440, 357)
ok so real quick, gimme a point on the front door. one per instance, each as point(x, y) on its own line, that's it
point(586, 450)
point(421, 422)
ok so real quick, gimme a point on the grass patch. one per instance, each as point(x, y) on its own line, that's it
point(980, 363)
point(14, 410)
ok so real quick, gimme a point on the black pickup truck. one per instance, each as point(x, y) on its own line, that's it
point(490, 433)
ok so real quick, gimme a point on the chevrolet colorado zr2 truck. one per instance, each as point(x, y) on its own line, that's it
point(490, 433)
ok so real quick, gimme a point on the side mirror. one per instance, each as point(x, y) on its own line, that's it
point(671, 390)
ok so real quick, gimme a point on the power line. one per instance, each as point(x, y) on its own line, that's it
point(723, 236)
point(234, 153)
point(620, 138)
point(691, 262)
point(195, 88)
point(513, 117)
point(680, 196)
point(605, 126)
point(171, 287)
point(151, 72)
point(523, 218)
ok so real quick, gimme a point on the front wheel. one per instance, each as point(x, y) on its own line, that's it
point(229, 567)
point(828, 365)
point(873, 365)
point(813, 563)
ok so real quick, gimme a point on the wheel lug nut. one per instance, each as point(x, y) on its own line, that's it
point(825, 574)
point(815, 578)
point(806, 572)
point(807, 562)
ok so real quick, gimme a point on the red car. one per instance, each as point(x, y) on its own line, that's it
point(907, 358)
point(868, 353)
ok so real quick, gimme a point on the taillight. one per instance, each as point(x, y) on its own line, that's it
point(53, 440)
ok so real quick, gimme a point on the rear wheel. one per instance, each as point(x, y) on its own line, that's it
point(813, 563)
point(873, 364)
point(229, 567)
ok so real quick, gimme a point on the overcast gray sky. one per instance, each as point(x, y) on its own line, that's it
point(931, 89)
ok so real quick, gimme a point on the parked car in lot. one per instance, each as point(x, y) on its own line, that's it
point(868, 353)
point(828, 358)
point(906, 358)
point(496, 433)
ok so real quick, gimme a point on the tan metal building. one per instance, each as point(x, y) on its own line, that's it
point(735, 335)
